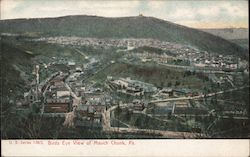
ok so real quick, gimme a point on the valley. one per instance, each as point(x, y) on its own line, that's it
point(116, 84)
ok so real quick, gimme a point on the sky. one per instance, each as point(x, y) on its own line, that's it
point(191, 13)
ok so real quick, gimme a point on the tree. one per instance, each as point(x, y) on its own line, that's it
point(169, 84)
point(177, 83)
point(162, 84)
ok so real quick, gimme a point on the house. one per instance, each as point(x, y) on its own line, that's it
point(78, 69)
point(138, 105)
point(185, 91)
point(87, 116)
point(31, 96)
point(90, 95)
point(72, 64)
point(85, 111)
point(131, 87)
point(130, 46)
point(57, 106)
point(99, 108)
point(181, 104)
point(167, 91)
point(57, 81)
point(121, 83)
point(110, 78)
point(63, 93)
point(79, 91)
point(98, 118)
point(200, 65)
point(22, 103)
point(135, 91)
point(82, 111)
point(98, 104)
point(86, 122)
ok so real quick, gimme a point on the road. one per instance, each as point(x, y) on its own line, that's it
point(197, 97)
point(167, 134)
point(81, 53)
point(197, 69)
point(129, 126)
point(76, 99)
point(69, 117)
point(207, 115)
point(45, 85)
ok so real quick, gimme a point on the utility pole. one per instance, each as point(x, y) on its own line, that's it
point(37, 80)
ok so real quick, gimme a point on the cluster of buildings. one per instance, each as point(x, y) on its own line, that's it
point(138, 105)
point(57, 97)
point(149, 56)
point(139, 88)
point(192, 58)
point(130, 87)
point(66, 92)
point(183, 53)
point(176, 108)
point(175, 93)
point(204, 59)
point(90, 102)
point(87, 116)
point(129, 43)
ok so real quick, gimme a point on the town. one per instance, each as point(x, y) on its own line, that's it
point(87, 95)
point(183, 55)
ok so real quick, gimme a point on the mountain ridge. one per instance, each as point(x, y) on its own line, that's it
point(122, 27)
point(229, 33)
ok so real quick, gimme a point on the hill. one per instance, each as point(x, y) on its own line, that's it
point(124, 27)
point(229, 33)
point(239, 36)
point(242, 42)
point(15, 68)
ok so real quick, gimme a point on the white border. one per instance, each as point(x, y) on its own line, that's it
point(173, 148)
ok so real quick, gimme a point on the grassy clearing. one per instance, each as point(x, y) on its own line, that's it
point(158, 75)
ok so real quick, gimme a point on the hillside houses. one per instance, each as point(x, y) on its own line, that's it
point(122, 43)
point(146, 56)
point(198, 58)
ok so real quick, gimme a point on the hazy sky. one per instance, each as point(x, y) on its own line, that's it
point(192, 13)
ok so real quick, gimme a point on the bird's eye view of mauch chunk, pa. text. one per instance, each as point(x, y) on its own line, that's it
point(124, 69)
